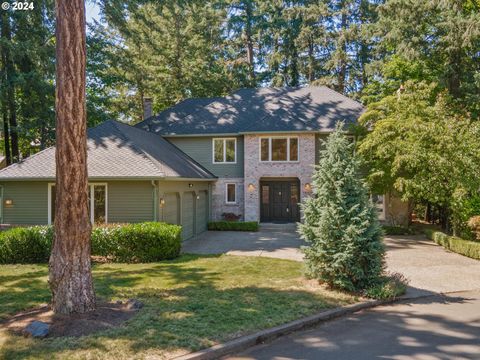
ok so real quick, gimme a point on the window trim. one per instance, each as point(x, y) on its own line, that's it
point(226, 194)
point(91, 190)
point(270, 149)
point(224, 150)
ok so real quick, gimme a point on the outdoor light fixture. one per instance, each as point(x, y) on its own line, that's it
point(190, 185)
point(251, 187)
point(8, 202)
point(162, 202)
point(198, 197)
point(308, 187)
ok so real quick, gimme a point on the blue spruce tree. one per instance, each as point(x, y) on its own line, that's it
point(340, 222)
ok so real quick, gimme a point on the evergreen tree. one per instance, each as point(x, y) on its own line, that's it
point(340, 222)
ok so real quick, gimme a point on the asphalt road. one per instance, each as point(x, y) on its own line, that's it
point(435, 327)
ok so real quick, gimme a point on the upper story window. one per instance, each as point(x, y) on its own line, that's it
point(279, 149)
point(224, 150)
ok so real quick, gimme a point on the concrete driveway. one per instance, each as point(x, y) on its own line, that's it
point(273, 240)
point(429, 267)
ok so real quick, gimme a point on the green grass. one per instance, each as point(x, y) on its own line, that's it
point(190, 303)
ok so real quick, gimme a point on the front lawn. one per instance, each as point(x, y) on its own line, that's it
point(190, 303)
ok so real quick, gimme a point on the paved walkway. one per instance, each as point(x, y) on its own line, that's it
point(436, 327)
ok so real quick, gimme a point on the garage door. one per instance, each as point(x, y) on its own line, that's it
point(188, 215)
point(171, 208)
point(202, 212)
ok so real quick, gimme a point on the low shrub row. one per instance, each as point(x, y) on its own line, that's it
point(460, 246)
point(142, 242)
point(233, 225)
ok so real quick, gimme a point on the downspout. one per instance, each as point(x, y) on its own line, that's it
point(1, 204)
point(155, 200)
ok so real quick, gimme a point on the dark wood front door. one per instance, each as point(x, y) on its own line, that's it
point(279, 201)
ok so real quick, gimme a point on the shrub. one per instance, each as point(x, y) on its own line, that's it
point(341, 225)
point(388, 287)
point(474, 225)
point(26, 245)
point(142, 242)
point(460, 246)
point(231, 217)
point(397, 230)
point(233, 226)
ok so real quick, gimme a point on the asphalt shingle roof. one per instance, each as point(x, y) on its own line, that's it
point(117, 150)
point(312, 108)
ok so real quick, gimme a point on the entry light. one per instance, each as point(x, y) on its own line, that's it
point(308, 187)
point(251, 187)
point(190, 185)
point(8, 202)
point(162, 202)
point(198, 197)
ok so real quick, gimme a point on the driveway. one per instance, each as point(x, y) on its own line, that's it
point(272, 240)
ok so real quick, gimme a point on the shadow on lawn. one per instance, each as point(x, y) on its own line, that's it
point(186, 311)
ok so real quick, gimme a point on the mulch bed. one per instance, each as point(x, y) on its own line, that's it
point(106, 316)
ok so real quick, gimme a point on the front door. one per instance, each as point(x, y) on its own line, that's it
point(279, 201)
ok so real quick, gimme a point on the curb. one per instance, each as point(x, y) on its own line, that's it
point(248, 341)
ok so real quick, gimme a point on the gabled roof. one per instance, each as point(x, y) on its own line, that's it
point(117, 151)
point(311, 108)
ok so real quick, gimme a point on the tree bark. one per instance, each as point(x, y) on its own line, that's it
point(249, 42)
point(70, 269)
point(4, 96)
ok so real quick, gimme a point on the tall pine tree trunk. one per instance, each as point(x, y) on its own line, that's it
point(70, 269)
point(7, 108)
point(249, 42)
point(342, 69)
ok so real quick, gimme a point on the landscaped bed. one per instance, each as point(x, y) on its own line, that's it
point(190, 303)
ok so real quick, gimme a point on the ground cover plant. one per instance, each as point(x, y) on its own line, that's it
point(190, 303)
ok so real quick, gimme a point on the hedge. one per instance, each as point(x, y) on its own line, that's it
point(460, 246)
point(233, 225)
point(142, 242)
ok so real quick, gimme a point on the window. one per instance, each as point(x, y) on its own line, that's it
point(224, 150)
point(97, 203)
point(279, 149)
point(231, 195)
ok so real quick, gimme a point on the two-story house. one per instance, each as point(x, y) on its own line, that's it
point(250, 154)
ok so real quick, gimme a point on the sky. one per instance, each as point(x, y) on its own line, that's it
point(92, 11)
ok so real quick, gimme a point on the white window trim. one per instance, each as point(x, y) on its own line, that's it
point(270, 149)
point(226, 193)
point(224, 151)
point(90, 189)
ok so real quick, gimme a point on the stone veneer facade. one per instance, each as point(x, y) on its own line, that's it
point(219, 204)
point(255, 170)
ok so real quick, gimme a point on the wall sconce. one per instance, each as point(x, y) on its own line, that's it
point(190, 185)
point(162, 202)
point(8, 202)
point(198, 197)
point(251, 187)
point(308, 187)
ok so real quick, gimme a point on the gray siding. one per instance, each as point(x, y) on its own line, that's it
point(30, 202)
point(200, 149)
point(130, 201)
